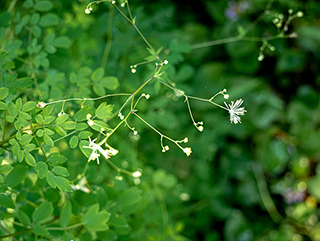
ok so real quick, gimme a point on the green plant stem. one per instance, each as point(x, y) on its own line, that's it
point(137, 29)
point(243, 36)
point(7, 231)
point(164, 211)
point(109, 39)
point(264, 193)
point(66, 228)
point(5, 112)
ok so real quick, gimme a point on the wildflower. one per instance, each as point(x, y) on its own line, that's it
point(95, 148)
point(137, 174)
point(235, 110)
point(81, 185)
point(187, 150)
point(87, 11)
point(41, 104)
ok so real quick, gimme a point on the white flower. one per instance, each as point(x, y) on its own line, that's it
point(235, 110)
point(95, 148)
point(81, 186)
point(137, 174)
point(187, 150)
point(87, 11)
point(41, 104)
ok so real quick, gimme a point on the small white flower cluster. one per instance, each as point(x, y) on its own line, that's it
point(226, 96)
point(199, 126)
point(133, 68)
point(235, 110)
point(97, 147)
point(165, 148)
point(147, 96)
point(81, 186)
point(88, 10)
point(187, 150)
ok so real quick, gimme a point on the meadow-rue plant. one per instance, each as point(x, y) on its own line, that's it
point(49, 190)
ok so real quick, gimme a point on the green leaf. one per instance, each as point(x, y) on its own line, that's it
point(47, 110)
point(29, 159)
point(43, 6)
point(63, 184)
point(39, 118)
point(23, 83)
point(50, 179)
point(97, 74)
point(6, 201)
point(74, 142)
point(60, 131)
point(47, 139)
point(104, 111)
point(95, 220)
point(25, 115)
point(12, 109)
point(28, 4)
point(81, 115)
point(65, 214)
point(19, 104)
point(40, 230)
point(55, 159)
point(42, 212)
point(16, 176)
point(49, 19)
point(41, 168)
point(69, 125)
point(40, 133)
point(25, 139)
point(81, 126)
point(129, 196)
point(48, 119)
point(3, 92)
point(8, 65)
point(62, 42)
point(99, 89)
point(24, 218)
point(85, 134)
point(84, 72)
point(29, 147)
point(61, 119)
point(62, 171)
point(5, 168)
point(30, 105)
point(110, 82)
point(3, 106)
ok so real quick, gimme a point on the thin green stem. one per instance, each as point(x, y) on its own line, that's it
point(85, 99)
point(7, 231)
point(132, 21)
point(5, 112)
point(164, 211)
point(264, 193)
point(109, 39)
point(66, 228)
point(241, 37)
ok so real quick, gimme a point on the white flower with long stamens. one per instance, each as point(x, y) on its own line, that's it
point(187, 150)
point(235, 110)
point(95, 148)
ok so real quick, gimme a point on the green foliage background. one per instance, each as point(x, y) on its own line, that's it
point(258, 180)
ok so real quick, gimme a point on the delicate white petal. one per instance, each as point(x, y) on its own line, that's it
point(234, 110)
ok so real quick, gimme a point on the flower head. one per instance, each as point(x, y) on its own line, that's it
point(187, 150)
point(235, 110)
point(95, 148)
